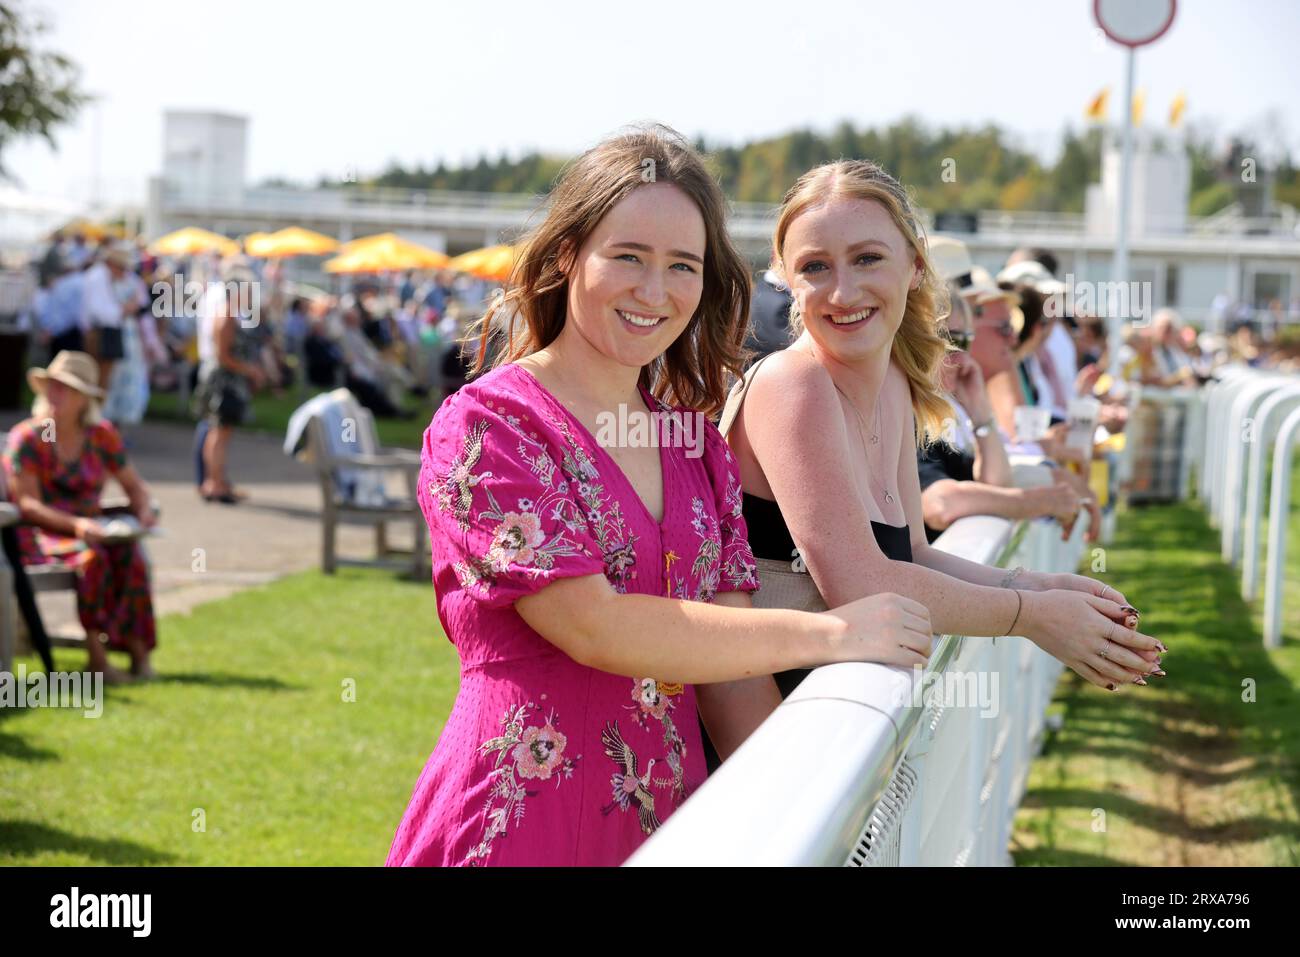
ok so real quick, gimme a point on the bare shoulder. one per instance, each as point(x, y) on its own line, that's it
point(791, 377)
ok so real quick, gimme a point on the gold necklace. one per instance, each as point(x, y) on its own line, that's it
point(875, 440)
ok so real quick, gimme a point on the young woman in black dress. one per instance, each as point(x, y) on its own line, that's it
point(826, 432)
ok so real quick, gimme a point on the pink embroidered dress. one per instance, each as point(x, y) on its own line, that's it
point(544, 761)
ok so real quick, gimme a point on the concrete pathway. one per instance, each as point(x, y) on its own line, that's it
point(206, 550)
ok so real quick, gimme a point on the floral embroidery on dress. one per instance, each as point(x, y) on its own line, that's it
point(535, 753)
point(738, 568)
point(519, 539)
point(628, 784)
point(704, 567)
point(654, 700)
point(606, 525)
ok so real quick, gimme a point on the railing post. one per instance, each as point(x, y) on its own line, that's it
point(1255, 488)
point(1193, 447)
point(1277, 522)
point(1234, 452)
point(1218, 436)
point(1214, 405)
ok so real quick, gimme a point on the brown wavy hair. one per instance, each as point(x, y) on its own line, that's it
point(918, 346)
point(692, 372)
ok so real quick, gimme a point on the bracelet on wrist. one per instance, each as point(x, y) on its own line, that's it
point(1011, 576)
point(1020, 604)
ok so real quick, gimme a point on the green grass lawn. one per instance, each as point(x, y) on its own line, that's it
point(1184, 771)
point(271, 413)
point(247, 722)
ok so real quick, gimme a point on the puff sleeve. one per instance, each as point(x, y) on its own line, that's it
point(499, 495)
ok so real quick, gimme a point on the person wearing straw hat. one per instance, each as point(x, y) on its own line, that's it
point(57, 463)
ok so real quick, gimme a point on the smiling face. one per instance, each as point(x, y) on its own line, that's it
point(637, 280)
point(849, 268)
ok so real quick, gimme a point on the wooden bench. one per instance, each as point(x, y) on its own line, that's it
point(340, 473)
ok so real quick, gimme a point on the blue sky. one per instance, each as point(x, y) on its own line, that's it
point(331, 85)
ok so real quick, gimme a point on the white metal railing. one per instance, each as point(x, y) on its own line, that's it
point(1267, 419)
point(746, 217)
point(1241, 409)
point(869, 765)
point(1230, 381)
point(338, 200)
point(1238, 436)
point(1279, 512)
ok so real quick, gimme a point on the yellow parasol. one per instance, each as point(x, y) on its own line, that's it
point(191, 240)
point(293, 241)
point(386, 252)
point(493, 262)
point(253, 239)
point(95, 232)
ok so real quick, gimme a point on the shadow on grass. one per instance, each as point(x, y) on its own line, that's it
point(1196, 775)
point(28, 839)
point(1048, 857)
point(1200, 724)
point(222, 680)
point(1239, 830)
point(16, 747)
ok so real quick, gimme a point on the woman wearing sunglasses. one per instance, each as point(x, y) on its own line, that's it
point(967, 471)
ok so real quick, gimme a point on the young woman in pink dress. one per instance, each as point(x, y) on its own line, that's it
point(597, 591)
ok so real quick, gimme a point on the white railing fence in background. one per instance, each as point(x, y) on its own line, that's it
point(1279, 507)
point(1267, 420)
point(1238, 437)
point(1247, 413)
point(868, 765)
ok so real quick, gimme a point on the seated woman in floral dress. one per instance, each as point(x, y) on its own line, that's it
point(596, 585)
point(58, 462)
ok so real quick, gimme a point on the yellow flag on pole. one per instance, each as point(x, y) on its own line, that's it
point(1139, 107)
point(1096, 111)
point(1177, 109)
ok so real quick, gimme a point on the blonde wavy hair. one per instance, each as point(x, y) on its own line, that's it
point(919, 345)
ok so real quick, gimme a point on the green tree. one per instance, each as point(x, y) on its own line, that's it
point(38, 88)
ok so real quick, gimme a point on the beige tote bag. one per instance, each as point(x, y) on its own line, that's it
point(783, 584)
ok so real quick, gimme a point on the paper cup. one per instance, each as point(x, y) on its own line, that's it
point(1032, 422)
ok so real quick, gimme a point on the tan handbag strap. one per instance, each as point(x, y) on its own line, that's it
point(737, 397)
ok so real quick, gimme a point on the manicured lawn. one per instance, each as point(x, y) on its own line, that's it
point(247, 722)
point(1184, 771)
point(271, 413)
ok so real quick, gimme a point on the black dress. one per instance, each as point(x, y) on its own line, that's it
point(769, 537)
